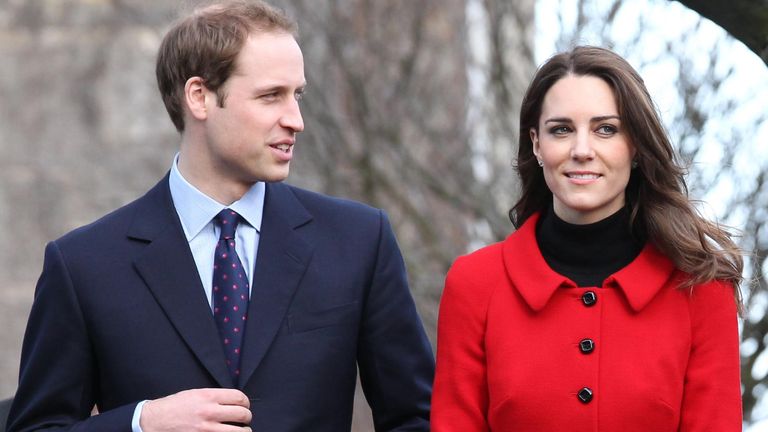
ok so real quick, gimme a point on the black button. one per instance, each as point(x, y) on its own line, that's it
point(587, 346)
point(589, 298)
point(585, 395)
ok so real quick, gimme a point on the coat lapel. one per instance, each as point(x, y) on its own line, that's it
point(536, 282)
point(529, 272)
point(169, 270)
point(644, 277)
point(281, 262)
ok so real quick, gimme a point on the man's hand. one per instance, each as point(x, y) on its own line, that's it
point(198, 410)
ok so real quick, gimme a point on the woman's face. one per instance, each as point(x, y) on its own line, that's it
point(586, 154)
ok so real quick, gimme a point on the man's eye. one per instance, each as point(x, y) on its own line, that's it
point(298, 95)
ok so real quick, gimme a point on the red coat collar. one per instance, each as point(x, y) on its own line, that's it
point(536, 281)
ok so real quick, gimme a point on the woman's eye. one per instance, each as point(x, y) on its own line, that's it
point(607, 130)
point(559, 130)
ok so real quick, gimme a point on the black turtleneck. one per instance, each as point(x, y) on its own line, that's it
point(587, 254)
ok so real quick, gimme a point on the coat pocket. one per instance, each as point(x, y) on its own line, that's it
point(303, 321)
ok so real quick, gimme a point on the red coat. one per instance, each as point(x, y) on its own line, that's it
point(518, 344)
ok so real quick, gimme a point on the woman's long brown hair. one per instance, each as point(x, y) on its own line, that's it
point(656, 194)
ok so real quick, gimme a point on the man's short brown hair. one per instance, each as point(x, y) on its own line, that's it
point(206, 43)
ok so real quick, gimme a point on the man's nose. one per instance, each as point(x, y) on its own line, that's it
point(292, 118)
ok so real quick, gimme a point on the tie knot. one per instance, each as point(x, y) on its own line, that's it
point(227, 220)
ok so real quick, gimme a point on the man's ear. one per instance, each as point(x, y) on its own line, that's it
point(195, 94)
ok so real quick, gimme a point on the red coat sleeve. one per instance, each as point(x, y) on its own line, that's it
point(712, 394)
point(460, 393)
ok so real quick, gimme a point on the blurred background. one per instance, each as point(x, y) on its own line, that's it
point(411, 106)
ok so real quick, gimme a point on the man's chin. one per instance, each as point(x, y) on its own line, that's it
point(275, 177)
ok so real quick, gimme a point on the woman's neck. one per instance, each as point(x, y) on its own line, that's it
point(587, 254)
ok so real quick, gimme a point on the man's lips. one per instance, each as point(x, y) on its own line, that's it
point(282, 150)
point(283, 146)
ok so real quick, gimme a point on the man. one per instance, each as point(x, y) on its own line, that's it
point(224, 300)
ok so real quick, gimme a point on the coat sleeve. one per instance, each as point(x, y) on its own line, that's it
point(460, 398)
point(58, 379)
point(394, 355)
point(712, 393)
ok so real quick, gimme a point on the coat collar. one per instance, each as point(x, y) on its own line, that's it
point(536, 282)
point(282, 260)
point(168, 268)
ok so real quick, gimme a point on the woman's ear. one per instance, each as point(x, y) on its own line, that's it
point(535, 140)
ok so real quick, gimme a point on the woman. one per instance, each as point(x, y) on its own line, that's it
point(613, 307)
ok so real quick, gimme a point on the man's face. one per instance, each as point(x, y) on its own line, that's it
point(251, 137)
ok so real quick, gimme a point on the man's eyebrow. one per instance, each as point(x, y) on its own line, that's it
point(268, 87)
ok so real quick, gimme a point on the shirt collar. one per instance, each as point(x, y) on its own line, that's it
point(196, 209)
point(530, 274)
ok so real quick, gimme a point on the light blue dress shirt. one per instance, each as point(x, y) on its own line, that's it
point(196, 211)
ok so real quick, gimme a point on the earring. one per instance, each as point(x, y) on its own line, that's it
point(541, 163)
point(634, 164)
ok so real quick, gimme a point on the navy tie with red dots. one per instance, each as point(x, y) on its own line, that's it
point(230, 292)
